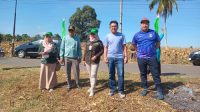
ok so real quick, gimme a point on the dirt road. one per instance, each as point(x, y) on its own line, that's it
point(167, 69)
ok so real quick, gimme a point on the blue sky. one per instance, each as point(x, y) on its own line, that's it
point(39, 16)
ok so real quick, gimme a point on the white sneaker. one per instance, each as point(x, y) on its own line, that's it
point(122, 95)
point(89, 90)
point(91, 93)
point(50, 90)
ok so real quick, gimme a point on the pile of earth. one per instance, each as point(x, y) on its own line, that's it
point(184, 98)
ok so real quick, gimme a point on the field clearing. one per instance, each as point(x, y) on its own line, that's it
point(19, 92)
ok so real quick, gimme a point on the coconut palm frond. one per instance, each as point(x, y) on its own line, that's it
point(170, 7)
point(175, 3)
point(160, 8)
point(153, 3)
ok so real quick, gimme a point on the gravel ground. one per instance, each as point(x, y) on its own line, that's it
point(167, 69)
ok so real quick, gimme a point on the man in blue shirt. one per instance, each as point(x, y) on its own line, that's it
point(115, 54)
point(70, 53)
point(145, 42)
point(158, 52)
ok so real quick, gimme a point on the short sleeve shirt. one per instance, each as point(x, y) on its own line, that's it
point(115, 43)
point(146, 43)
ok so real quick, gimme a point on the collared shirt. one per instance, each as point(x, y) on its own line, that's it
point(115, 43)
point(146, 43)
point(70, 47)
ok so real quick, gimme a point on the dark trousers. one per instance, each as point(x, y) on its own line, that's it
point(159, 68)
point(152, 63)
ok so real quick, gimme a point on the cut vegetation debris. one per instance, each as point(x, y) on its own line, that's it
point(19, 92)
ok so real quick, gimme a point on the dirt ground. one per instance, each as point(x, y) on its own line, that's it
point(19, 92)
point(185, 98)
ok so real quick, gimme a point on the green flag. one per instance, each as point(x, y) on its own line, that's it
point(63, 29)
point(156, 24)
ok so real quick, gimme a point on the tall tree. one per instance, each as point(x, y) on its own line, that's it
point(18, 38)
point(84, 20)
point(8, 37)
point(1, 37)
point(165, 8)
point(36, 37)
point(57, 36)
point(25, 37)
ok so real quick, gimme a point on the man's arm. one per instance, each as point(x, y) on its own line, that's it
point(134, 47)
point(158, 39)
point(106, 54)
point(79, 49)
point(157, 44)
point(125, 54)
point(62, 51)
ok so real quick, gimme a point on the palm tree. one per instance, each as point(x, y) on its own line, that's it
point(164, 9)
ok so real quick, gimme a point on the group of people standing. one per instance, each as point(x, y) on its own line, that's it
point(145, 42)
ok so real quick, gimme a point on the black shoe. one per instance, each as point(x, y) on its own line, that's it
point(160, 96)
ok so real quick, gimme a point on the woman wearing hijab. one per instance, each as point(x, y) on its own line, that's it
point(94, 50)
point(49, 53)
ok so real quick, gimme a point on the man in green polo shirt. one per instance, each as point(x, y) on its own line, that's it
point(70, 53)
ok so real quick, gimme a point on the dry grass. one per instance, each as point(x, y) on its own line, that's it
point(6, 46)
point(19, 92)
point(176, 55)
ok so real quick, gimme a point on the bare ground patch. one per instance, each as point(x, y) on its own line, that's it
point(19, 92)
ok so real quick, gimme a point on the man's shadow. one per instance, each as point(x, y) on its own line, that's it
point(134, 86)
point(167, 86)
point(171, 74)
point(130, 85)
point(101, 84)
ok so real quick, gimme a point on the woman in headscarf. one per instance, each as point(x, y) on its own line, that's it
point(94, 50)
point(49, 53)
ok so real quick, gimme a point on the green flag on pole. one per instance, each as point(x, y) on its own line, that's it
point(63, 29)
point(156, 24)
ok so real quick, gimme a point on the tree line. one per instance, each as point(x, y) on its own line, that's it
point(24, 37)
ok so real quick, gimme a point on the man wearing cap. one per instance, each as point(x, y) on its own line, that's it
point(145, 42)
point(115, 55)
point(93, 51)
point(70, 53)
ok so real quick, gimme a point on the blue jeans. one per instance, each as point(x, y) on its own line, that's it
point(117, 63)
point(154, 68)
